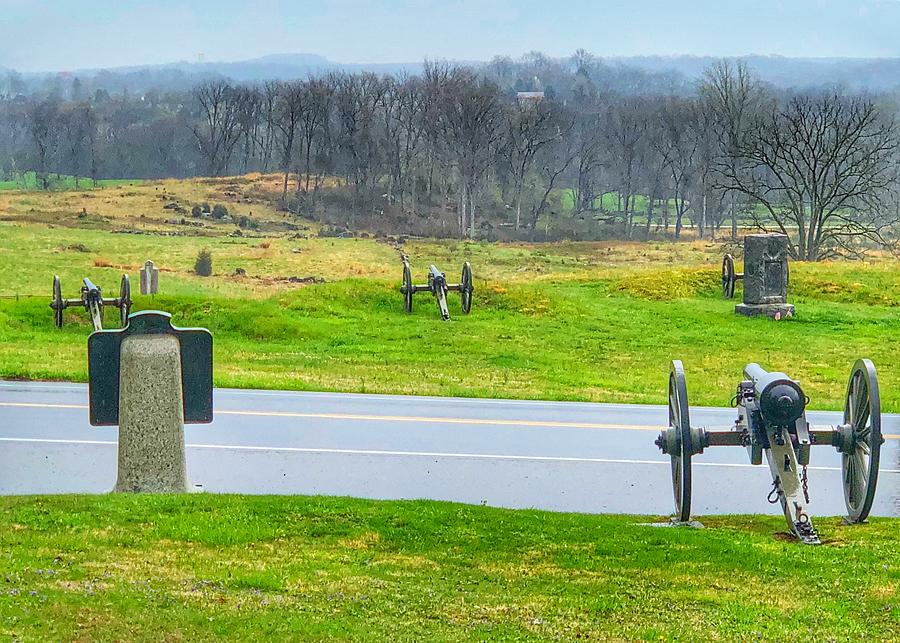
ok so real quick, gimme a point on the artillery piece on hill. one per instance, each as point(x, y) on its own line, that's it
point(91, 298)
point(772, 421)
point(437, 285)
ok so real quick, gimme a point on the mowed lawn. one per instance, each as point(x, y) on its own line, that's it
point(572, 321)
point(202, 567)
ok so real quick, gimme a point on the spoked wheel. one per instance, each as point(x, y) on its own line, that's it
point(124, 300)
point(407, 288)
point(861, 440)
point(680, 426)
point(729, 277)
point(466, 288)
point(57, 304)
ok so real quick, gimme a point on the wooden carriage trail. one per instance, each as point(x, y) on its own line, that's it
point(558, 456)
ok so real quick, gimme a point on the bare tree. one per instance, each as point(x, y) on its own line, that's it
point(318, 95)
point(358, 99)
point(218, 131)
point(43, 127)
point(411, 134)
point(291, 106)
point(819, 164)
point(734, 98)
point(76, 122)
point(268, 114)
point(625, 127)
point(249, 111)
point(529, 128)
point(589, 144)
point(470, 119)
point(554, 160)
point(678, 147)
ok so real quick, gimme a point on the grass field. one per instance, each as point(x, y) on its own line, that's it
point(206, 567)
point(29, 181)
point(579, 321)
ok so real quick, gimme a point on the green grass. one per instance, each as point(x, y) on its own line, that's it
point(564, 321)
point(200, 567)
point(29, 181)
point(608, 201)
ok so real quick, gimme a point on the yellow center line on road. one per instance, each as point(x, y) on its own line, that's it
point(445, 420)
point(399, 418)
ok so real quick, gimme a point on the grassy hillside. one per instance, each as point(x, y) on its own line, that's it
point(206, 567)
point(581, 321)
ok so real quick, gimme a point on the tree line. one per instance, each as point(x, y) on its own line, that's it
point(519, 144)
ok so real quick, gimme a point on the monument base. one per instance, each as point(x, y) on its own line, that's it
point(775, 311)
point(151, 416)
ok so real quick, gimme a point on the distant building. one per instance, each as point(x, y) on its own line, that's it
point(526, 98)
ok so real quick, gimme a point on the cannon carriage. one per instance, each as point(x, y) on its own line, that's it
point(772, 422)
point(93, 301)
point(437, 285)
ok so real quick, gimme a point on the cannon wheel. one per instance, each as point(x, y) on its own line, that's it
point(407, 288)
point(679, 421)
point(729, 278)
point(466, 288)
point(859, 461)
point(57, 304)
point(124, 300)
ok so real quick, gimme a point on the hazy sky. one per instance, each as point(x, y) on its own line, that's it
point(38, 35)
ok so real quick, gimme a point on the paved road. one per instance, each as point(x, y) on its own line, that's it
point(551, 455)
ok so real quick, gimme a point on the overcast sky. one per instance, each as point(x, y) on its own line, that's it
point(45, 35)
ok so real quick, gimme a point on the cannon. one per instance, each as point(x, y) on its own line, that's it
point(729, 276)
point(91, 298)
point(771, 421)
point(437, 285)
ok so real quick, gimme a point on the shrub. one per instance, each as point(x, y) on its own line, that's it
point(203, 265)
point(204, 207)
point(196, 211)
point(219, 211)
point(247, 223)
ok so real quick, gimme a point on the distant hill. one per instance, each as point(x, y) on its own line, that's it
point(276, 66)
point(184, 75)
point(876, 74)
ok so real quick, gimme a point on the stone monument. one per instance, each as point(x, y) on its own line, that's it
point(149, 279)
point(150, 378)
point(765, 277)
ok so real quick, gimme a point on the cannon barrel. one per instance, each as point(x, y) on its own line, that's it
point(90, 285)
point(436, 279)
point(781, 400)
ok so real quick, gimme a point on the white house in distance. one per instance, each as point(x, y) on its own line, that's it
point(529, 98)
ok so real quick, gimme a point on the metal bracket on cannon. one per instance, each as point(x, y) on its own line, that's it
point(93, 302)
point(772, 421)
point(437, 285)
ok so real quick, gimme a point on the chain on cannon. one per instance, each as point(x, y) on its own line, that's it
point(91, 298)
point(772, 422)
point(437, 285)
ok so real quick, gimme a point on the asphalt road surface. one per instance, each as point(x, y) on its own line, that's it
point(560, 456)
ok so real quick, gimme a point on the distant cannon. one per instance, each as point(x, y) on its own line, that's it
point(437, 285)
point(93, 301)
point(772, 421)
